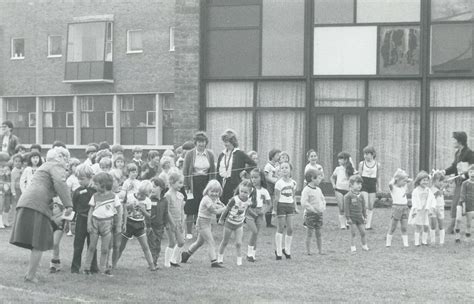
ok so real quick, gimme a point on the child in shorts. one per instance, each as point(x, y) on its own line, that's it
point(400, 210)
point(437, 217)
point(355, 211)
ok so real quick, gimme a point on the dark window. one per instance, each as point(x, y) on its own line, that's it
point(333, 11)
point(137, 119)
point(399, 50)
point(55, 46)
point(18, 112)
point(94, 126)
point(18, 48)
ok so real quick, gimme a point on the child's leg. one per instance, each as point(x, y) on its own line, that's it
point(424, 235)
point(319, 241)
point(146, 250)
point(289, 233)
point(442, 232)
point(55, 264)
point(279, 235)
point(353, 234)
point(239, 232)
point(152, 239)
point(418, 230)
point(223, 245)
point(94, 237)
point(340, 205)
point(12, 213)
point(123, 244)
point(80, 236)
point(189, 223)
point(251, 224)
point(363, 239)
point(7, 202)
point(433, 223)
point(116, 245)
point(469, 216)
point(176, 257)
point(2, 200)
point(171, 245)
point(370, 209)
point(309, 235)
point(391, 230)
point(104, 251)
point(403, 227)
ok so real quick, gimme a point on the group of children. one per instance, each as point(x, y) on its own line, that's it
point(115, 202)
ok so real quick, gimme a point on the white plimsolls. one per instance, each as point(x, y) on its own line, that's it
point(239, 261)
point(1, 222)
point(365, 247)
point(278, 243)
point(220, 258)
point(388, 242)
point(251, 251)
point(168, 255)
point(353, 249)
point(368, 224)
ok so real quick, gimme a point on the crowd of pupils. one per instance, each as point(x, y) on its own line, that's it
point(115, 200)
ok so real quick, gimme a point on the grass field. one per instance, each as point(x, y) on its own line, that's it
point(416, 275)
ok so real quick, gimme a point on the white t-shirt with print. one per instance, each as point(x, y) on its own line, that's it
point(104, 209)
point(287, 191)
point(262, 195)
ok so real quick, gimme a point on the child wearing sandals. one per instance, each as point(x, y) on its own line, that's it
point(355, 211)
point(314, 204)
point(208, 208)
point(400, 210)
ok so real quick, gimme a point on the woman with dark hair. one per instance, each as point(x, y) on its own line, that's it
point(463, 155)
point(230, 163)
point(198, 169)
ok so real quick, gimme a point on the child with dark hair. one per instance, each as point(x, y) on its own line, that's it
point(152, 167)
point(355, 211)
point(271, 177)
point(5, 196)
point(340, 183)
point(438, 180)
point(398, 192)
point(34, 162)
point(158, 219)
point(17, 170)
point(130, 185)
point(58, 143)
point(137, 159)
point(466, 204)
point(20, 149)
point(369, 169)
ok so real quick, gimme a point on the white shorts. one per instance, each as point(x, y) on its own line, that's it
point(438, 213)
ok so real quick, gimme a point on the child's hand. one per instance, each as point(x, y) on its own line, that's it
point(89, 228)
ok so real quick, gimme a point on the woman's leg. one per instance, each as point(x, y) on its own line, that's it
point(55, 264)
point(35, 259)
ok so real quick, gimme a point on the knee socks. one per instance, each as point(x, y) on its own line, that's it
point(405, 240)
point(369, 219)
point(278, 243)
point(417, 239)
point(388, 242)
point(168, 254)
point(442, 234)
point(432, 236)
point(288, 240)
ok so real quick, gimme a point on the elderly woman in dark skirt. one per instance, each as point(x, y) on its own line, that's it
point(33, 229)
point(198, 169)
point(230, 163)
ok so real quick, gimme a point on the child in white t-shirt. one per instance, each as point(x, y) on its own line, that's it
point(437, 217)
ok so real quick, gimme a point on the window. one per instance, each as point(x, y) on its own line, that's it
point(345, 50)
point(230, 94)
point(333, 11)
point(87, 104)
point(12, 105)
point(20, 112)
point(151, 118)
point(18, 48)
point(171, 38)
point(393, 93)
point(109, 119)
point(127, 103)
point(399, 50)
point(48, 104)
point(451, 10)
point(281, 94)
point(109, 42)
point(138, 119)
point(70, 119)
point(134, 41)
point(388, 11)
point(32, 119)
point(339, 93)
point(452, 93)
point(54, 46)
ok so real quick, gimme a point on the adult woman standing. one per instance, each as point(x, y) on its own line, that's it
point(198, 169)
point(230, 163)
point(32, 229)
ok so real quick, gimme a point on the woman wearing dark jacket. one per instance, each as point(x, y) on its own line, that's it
point(198, 169)
point(32, 229)
point(230, 163)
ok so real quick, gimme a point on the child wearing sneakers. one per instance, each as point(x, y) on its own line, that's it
point(103, 206)
point(400, 210)
point(423, 205)
point(314, 204)
point(437, 217)
point(208, 208)
point(135, 211)
point(158, 219)
point(466, 202)
point(355, 211)
point(233, 219)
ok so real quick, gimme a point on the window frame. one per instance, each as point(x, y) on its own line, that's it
point(43, 103)
point(109, 40)
point(30, 115)
point(129, 50)
point(49, 47)
point(87, 98)
point(172, 41)
point(106, 119)
point(69, 124)
point(148, 120)
point(122, 108)
point(12, 57)
point(8, 103)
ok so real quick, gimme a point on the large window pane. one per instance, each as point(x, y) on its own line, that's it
point(395, 136)
point(399, 50)
point(291, 129)
point(443, 124)
point(137, 119)
point(393, 93)
point(281, 94)
point(451, 10)
point(388, 11)
point(337, 93)
point(345, 50)
point(333, 11)
point(233, 53)
point(451, 48)
point(325, 143)
point(234, 16)
point(239, 121)
point(22, 113)
point(283, 37)
point(351, 136)
point(452, 93)
point(86, 42)
point(95, 114)
point(230, 94)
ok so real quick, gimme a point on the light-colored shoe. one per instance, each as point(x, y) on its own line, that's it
point(189, 236)
point(365, 247)
point(69, 233)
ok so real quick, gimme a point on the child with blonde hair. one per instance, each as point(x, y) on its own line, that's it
point(437, 217)
point(400, 210)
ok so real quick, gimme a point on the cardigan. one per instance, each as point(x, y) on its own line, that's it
point(239, 160)
point(462, 155)
point(188, 167)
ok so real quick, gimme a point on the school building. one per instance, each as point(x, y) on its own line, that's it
point(331, 75)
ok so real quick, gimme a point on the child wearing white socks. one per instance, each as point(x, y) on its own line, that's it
point(369, 169)
point(400, 210)
point(437, 217)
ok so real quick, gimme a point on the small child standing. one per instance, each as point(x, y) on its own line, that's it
point(130, 185)
point(314, 204)
point(137, 159)
point(340, 183)
point(271, 177)
point(234, 217)
point(369, 169)
point(5, 196)
point(437, 217)
point(175, 219)
point(355, 211)
point(80, 201)
point(34, 161)
point(466, 201)
point(158, 219)
point(17, 170)
point(400, 210)
point(423, 204)
point(104, 205)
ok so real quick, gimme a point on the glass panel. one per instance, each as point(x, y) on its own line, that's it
point(443, 124)
point(20, 118)
point(333, 11)
point(388, 11)
point(399, 150)
point(291, 130)
point(393, 93)
point(86, 42)
point(451, 10)
point(239, 121)
point(451, 48)
point(135, 41)
point(281, 94)
point(399, 50)
point(345, 50)
point(452, 93)
point(55, 45)
point(234, 16)
point(230, 94)
point(336, 93)
point(351, 136)
point(18, 48)
point(325, 143)
point(282, 37)
point(234, 53)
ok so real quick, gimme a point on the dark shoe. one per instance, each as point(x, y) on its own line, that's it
point(175, 265)
point(370, 228)
point(216, 265)
point(185, 256)
point(458, 241)
point(75, 271)
point(271, 226)
point(468, 235)
point(53, 270)
point(250, 259)
point(287, 256)
point(154, 268)
point(278, 257)
point(108, 273)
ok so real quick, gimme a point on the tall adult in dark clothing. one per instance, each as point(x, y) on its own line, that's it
point(198, 169)
point(230, 163)
point(463, 154)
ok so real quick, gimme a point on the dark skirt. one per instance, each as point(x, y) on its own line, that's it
point(32, 230)
point(199, 184)
point(229, 191)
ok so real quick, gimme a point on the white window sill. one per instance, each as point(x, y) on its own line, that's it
point(17, 58)
point(134, 52)
point(55, 56)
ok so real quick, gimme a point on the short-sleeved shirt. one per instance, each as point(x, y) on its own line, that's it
point(316, 167)
point(287, 191)
point(342, 181)
point(132, 205)
point(313, 197)
point(104, 207)
point(131, 185)
point(262, 195)
point(204, 208)
point(439, 195)
point(175, 205)
point(237, 209)
point(399, 195)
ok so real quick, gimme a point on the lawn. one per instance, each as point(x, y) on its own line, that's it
point(422, 274)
